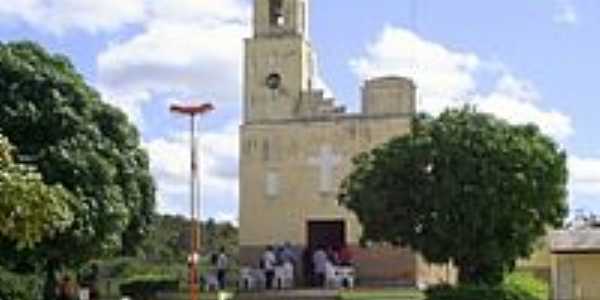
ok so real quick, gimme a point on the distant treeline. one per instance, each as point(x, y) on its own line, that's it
point(169, 238)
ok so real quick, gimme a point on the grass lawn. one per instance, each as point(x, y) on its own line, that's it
point(390, 294)
point(383, 294)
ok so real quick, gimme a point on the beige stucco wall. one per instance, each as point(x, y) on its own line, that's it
point(539, 263)
point(286, 148)
point(288, 56)
point(576, 276)
point(388, 95)
point(428, 274)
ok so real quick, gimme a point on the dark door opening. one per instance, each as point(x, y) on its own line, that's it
point(326, 234)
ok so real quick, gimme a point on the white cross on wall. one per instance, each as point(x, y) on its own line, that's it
point(326, 161)
point(272, 180)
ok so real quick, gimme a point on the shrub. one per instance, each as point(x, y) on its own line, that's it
point(527, 283)
point(15, 287)
point(477, 293)
point(144, 288)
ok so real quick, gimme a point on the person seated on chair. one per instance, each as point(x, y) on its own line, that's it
point(345, 257)
point(332, 255)
point(320, 261)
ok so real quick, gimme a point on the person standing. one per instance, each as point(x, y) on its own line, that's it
point(222, 264)
point(288, 254)
point(268, 262)
point(320, 261)
point(67, 289)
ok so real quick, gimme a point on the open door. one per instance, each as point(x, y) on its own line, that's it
point(326, 234)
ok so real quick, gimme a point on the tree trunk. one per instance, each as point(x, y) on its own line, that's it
point(470, 273)
point(466, 274)
point(50, 282)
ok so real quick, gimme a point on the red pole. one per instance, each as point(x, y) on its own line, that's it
point(192, 111)
point(193, 172)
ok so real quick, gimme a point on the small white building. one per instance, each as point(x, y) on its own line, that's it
point(575, 264)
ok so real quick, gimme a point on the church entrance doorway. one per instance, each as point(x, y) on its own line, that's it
point(322, 234)
point(326, 234)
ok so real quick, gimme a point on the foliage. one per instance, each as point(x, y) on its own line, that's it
point(164, 251)
point(29, 209)
point(14, 287)
point(169, 239)
point(146, 287)
point(128, 268)
point(517, 286)
point(467, 292)
point(464, 187)
point(529, 284)
point(74, 139)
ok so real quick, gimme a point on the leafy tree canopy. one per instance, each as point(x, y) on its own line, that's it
point(30, 210)
point(464, 187)
point(59, 124)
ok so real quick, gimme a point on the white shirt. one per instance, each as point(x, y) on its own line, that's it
point(320, 261)
point(222, 261)
point(269, 260)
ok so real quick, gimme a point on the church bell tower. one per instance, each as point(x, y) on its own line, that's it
point(278, 61)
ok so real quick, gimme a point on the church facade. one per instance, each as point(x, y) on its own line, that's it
point(296, 146)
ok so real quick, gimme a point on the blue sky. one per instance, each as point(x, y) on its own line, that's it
point(526, 61)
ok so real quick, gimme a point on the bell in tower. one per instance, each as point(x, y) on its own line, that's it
point(276, 17)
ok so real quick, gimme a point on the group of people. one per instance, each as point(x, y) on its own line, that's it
point(319, 260)
point(274, 257)
point(323, 258)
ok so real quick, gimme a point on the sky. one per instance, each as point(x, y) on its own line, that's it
point(525, 61)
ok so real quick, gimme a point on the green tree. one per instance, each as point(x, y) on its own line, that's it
point(74, 139)
point(29, 209)
point(464, 187)
point(164, 242)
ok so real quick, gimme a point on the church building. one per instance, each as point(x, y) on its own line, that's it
point(296, 146)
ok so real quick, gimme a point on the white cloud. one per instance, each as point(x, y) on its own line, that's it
point(184, 11)
point(94, 16)
point(218, 157)
point(566, 12)
point(443, 76)
point(60, 16)
point(585, 176)
point(517, 101)
point(448, 78)
point(177, 57)
point(187, 49)
point(190, 48)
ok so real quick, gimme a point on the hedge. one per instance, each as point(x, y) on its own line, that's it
point(144, 288)
point(478, 293)
point(15, 287)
